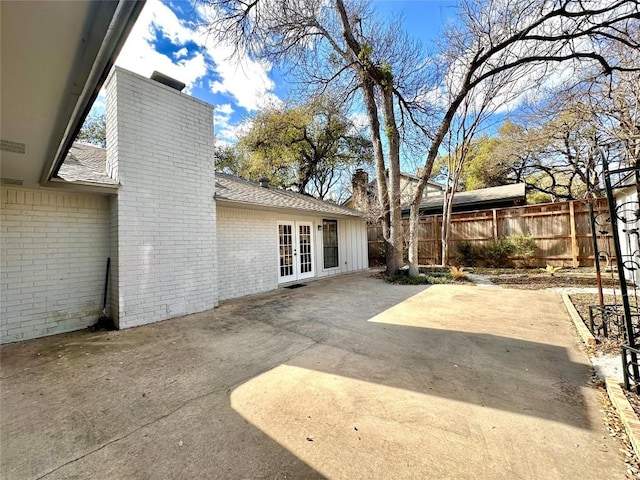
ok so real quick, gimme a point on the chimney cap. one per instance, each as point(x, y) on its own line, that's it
point(167, 80)
point(264, 182)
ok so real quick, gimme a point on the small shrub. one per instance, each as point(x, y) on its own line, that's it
point(523, 247)
point(466, 254)
point(498, 253)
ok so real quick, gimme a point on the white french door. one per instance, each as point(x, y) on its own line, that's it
point(295, 251)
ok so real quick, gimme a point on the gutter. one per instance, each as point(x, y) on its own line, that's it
point(83, 186)
point(256, 206)
point(124, 18)
point(463, 203)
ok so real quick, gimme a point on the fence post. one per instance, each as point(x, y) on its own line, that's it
point(495, 225)
point(574, 239)
point(436, 240)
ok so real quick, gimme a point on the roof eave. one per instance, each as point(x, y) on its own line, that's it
point(121, 24)
point(82, 186)
point(255, 206)
point(475, 202)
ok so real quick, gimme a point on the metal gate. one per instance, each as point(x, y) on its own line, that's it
point(620, 318)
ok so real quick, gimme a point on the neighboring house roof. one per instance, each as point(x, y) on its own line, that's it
point(237, 190)
point(372, 186)
point(478, 197)
point(86, 164)
point(417, 179)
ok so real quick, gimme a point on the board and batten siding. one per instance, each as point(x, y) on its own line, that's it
point(248, 248)
point(53, 257)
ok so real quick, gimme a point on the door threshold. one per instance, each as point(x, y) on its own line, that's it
point(295, 285)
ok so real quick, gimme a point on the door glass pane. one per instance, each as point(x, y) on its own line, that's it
point(285, 234)
point(304, 232)
point(330, 243)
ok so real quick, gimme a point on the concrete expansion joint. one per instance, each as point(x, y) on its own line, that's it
point(224, 389)
point(135, 430)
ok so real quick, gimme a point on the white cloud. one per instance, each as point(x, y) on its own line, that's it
point(226, 109)
point(138, 54)
point(183, 52)
point(221, 118)
point(247, 81)
point(230, 133)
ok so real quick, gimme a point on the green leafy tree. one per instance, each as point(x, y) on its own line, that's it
point(94, 130)
point(307, 147)
point(227, 159)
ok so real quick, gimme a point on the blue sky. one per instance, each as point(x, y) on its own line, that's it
point(167, 38)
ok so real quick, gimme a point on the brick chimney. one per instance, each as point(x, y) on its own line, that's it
point(163, 231)
point(359, 183)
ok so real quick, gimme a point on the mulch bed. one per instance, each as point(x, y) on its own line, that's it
point(582, 302)
point(538, 280)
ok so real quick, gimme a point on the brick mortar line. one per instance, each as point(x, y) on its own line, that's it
point(585, 334)
point(625, 411)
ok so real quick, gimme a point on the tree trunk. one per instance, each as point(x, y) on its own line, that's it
point(395, 255)
point(413, 240)
point(447, 209)
point(446, 227)
point(390, 227)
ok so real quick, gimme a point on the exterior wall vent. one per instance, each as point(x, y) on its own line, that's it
point(168, 81)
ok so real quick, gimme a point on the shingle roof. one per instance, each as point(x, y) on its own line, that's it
point(482, 195)
point(415, 177)
point(372, 186)
point(234, 189)
point(86, 164)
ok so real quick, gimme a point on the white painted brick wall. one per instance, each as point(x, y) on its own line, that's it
point(53, 255)
point(248, 249)
point(161, 146)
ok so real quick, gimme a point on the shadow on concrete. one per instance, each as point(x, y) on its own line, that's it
point(379, 345)
point(155, 401)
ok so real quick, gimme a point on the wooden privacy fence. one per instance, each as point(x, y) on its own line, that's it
point(562, 232)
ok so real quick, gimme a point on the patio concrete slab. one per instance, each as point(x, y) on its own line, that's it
point(347, 377)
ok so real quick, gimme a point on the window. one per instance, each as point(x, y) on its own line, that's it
point(330, 243)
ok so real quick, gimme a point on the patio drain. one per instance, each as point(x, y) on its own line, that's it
point(297, 285)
